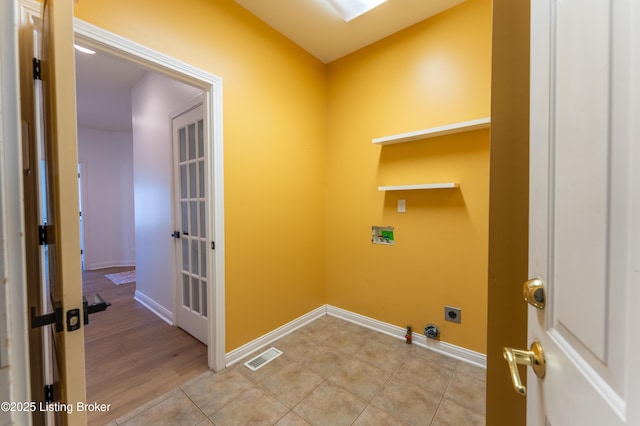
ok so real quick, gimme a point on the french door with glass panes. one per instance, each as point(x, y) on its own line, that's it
point(191, 223)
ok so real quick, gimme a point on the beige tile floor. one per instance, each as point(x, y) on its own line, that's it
point(332, 373)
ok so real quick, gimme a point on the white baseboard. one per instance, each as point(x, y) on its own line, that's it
point(457, 352)
point(163, 313)
point(112, 264)
point(448, 349)
point(244, 350)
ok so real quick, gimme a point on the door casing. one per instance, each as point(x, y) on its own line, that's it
point(211, 85)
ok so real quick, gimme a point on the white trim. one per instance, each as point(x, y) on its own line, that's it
point(211, 85)
point(244, 350)
point(453, 351)
point(192, 104)
point(163, 313)
point(448, 349)
point(110, 264)
point(14, 372)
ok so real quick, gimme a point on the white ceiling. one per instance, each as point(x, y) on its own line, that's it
point(103, 91)
point(316, 26)
point(104, 82)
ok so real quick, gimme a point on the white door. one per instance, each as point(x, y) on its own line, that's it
point(191, 228)
point(584, 237)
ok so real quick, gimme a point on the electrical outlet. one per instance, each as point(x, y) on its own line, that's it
point(452, 314)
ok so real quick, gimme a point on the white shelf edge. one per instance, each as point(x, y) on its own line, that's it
point(465, 126)
point(446, 185)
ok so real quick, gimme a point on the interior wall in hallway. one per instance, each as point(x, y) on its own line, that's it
point(107, 178)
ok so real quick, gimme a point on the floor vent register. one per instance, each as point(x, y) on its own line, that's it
point(263, 359)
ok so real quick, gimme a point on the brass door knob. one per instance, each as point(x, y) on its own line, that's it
point(533, 357)
point(534, 293)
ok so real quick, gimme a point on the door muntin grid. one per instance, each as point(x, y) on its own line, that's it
point(192, 211)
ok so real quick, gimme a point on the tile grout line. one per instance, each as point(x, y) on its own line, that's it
point(453, 373)
point(197, 406)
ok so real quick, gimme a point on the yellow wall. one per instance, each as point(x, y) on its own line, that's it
point(434, 73)
point(301, 174)
point(274, 112)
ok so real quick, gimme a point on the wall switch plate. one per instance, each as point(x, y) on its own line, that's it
point(452, 314)
point(402, 206)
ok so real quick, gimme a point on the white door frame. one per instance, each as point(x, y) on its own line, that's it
point(14, 365)
point(211, 86)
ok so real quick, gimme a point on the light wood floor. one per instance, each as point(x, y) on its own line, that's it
point(132, 356)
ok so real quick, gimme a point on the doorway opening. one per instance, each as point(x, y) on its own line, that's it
point(141, 254)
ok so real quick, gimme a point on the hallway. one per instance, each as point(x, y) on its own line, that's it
point(131, 355)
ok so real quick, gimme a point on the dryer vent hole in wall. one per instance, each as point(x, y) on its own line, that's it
point(432, 331)
point(263, 359)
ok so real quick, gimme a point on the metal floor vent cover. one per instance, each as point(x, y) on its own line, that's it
point(263, 359)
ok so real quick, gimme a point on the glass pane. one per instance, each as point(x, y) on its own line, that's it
point(201, 176)
point(185, 254)
point(195, 292)
point(185, 216)
point(192, 141)
point(183, 181)
point(185, 291)
point(200, 139)
point(194, 218)
point(203, 258)
point(204, 298)
point(193, 181)
point(194, 257)
point(183, 144)
point(203, 218)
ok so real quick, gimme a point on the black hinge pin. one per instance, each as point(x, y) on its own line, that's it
point(48, 393)
point(42, 235)
point(37, 75)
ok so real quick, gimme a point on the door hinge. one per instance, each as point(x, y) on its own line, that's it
point(53, 318)
point(37, 69)
point(213, 245)
point(43, 235)
point(48, 393)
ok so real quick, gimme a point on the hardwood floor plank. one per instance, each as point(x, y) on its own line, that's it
point(131, 355)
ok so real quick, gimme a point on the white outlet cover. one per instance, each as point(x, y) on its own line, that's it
point(402, 206)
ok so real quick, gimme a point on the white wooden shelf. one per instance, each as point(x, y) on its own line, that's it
point(465, 126)
point(446, 185)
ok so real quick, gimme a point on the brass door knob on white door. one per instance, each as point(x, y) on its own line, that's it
point(534, 293)
point(533, 357)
